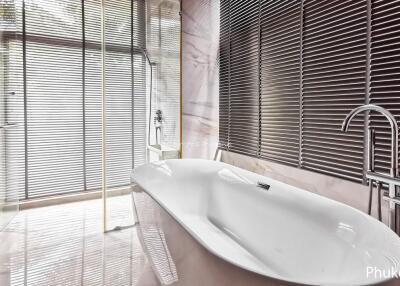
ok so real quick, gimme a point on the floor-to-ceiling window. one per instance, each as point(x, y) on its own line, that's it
point(9, 129)
point(54, 74)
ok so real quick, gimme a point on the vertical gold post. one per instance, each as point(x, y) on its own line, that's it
point(103, 117)
point(181, 80)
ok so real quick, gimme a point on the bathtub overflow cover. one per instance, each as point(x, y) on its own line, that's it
point(263, 185)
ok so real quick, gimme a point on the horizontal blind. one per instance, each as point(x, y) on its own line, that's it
point(139, 109)
point(63, 94)
point(327, 47)
point(385, 74)
point(224, 74)
point(54, 18)
point(7, 16)
point(92, 94)
point(120, 93)
point(280, 80)
point(139, 75)
point(93, 119)
point(14, 106)
point(11, 107)
point(125, 91)
point(244, 77)
point(334, 72)
point(54, 122)
point(54, 99)
point(119, 118)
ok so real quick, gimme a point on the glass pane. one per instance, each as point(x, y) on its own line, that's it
point(125, 74)
point(11, 129)
point(163, 46)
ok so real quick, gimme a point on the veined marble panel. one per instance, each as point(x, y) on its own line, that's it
point(352, 194)
point(200, 72)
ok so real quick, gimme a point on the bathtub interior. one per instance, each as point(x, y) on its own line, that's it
point(284, 232)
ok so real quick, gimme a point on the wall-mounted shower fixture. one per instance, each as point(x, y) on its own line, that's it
point(162, 152)
point(392, 180)
point(158, 120)
point(146, 55)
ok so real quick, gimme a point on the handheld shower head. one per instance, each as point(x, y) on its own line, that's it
point(146, 55)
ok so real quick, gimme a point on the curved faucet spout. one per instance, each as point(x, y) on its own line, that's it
point(393, 125)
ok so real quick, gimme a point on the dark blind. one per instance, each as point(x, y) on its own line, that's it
point(224, 74)
point(280, 80)
point(385, 74)
point(303, 65)
point(334, 82)
point(244, 77)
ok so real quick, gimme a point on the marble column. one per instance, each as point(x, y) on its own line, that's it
point(200, 40)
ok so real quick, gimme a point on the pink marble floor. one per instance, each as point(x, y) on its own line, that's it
point(64, 245)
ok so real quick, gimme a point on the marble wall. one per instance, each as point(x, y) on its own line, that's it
point(200, 42)
point(352, 194)
point(162, 44)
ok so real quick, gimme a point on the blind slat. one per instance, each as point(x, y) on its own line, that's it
point(62, 147)
point(385, 52)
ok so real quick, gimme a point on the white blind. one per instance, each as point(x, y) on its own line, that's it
point(54, 121)
point(53, 97)
point(11, 106)
point(57, 74)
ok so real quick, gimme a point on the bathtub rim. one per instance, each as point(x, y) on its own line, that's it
point(205, 245)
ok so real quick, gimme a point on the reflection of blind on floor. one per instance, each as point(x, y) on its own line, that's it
point(63, 94)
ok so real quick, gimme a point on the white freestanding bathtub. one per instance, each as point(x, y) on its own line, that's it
point(284, 234)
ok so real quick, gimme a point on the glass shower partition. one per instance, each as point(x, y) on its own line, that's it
point(124, 109)
point(132, 29)
point(11, 127)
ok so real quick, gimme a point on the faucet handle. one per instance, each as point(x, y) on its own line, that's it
point(379, 202)
point(371, 149)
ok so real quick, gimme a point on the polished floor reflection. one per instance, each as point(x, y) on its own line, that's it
point(64, 245)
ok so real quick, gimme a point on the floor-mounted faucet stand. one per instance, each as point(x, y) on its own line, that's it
point(373, 177)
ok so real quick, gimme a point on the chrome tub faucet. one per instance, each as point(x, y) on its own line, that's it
point(392, 179)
